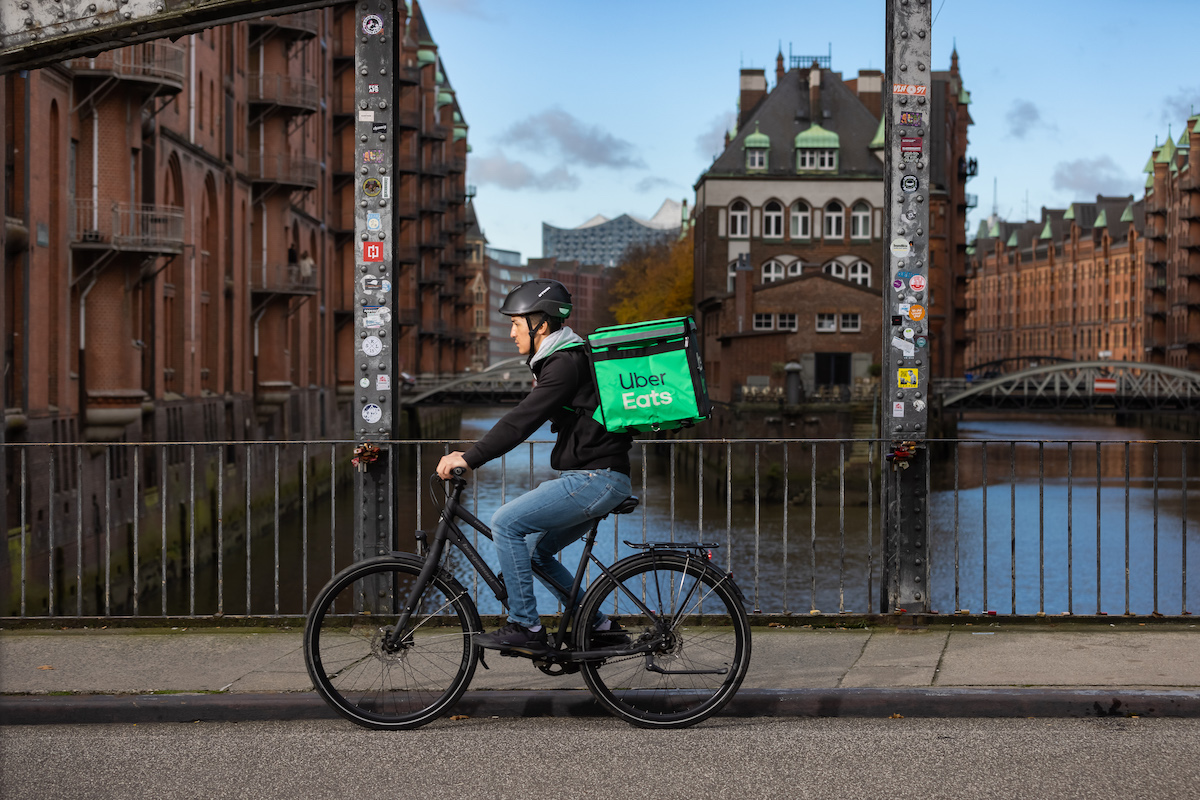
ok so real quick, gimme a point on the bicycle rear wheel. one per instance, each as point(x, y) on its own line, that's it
point(351, 665)
point(699, 627)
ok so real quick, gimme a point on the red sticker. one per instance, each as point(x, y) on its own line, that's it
point(908, 88)
point(910, 144)
point(372, 251)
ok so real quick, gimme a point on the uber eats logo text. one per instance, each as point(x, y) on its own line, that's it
point(655, 397)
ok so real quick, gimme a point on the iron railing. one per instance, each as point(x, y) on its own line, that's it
point(254, 529)
point(157, 62)
point(127, 226)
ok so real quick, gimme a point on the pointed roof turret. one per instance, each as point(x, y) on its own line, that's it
point(1127, 215)
point(1012, 239)
point(1102, 220)
point(878, 142)
point(1046, 232)
point(1070, 212)
point(1167, 152)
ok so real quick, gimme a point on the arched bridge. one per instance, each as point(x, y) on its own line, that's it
point(1080, 386)
point(506, 381)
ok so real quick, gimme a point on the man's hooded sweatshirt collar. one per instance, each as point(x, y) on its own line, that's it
point(563, 337)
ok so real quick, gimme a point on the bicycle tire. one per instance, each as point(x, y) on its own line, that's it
point(705, 651)
point(351, 669)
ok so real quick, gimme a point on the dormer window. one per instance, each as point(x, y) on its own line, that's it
point(817, 150)
point(757, 147)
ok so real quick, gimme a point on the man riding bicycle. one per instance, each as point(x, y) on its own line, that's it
point(593, 463)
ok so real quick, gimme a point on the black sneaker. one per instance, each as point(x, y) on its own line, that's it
point(615, 636)
point(514, 635)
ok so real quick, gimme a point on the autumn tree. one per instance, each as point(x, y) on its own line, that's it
point(653, 281)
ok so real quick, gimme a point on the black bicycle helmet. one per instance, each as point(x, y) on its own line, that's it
point(540, 295)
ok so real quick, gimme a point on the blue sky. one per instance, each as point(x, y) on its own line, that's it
point(579, 108)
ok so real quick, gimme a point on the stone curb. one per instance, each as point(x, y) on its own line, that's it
point(879, 703)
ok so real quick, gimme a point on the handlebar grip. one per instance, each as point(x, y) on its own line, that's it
point(458, 472)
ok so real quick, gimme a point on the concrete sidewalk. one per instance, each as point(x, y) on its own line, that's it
point(1067, 669)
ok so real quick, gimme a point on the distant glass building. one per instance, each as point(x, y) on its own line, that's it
point(603, 241)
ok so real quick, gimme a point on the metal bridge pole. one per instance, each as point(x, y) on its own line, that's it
point(380, 24)
point(908, 124)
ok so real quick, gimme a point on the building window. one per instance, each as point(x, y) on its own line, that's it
point(811, 158)
point(851, 323)
point(787, 322)
point(756, 158)
point(826, 323)
point(772, 271)
point(795, 268)
point(762, 322)
point(739, 219)
point(732, 276)
point(860, 273)
point(773, 220)
point(860, 221)
point(834, 217)
point(827, 159)
point(835, 268)
point(800, 220)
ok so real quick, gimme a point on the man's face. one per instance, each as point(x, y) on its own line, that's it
point(520, 334)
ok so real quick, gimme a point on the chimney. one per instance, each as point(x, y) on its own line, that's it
point(869, 87)
point(753, 90)
point(779, 71)
point(814, 92)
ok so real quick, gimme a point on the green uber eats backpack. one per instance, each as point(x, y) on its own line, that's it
point(649, 376)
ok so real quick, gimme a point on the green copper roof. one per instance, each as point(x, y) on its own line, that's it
point(970, 249)
point(1149, 181)
point(1183, 143)
point(877, 142)
point(1127, 215)
point(444, 99)
point(1174, 168)
point(1046, 232)
point(468, 147)
point(439, 78)
point(994, 231)
point(457, 117)
point(1102, 220)
point(964, 97)
point(982, 233)
point(1149, 165)
point(816, 136)
point(1166, 153)
point(1012, 239)
point(757, 139)
point(1070, 212)
point(426, 57)
point(459, 132)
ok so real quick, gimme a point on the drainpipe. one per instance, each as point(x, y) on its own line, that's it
point(192, 91)
point(83, 351)
point(95, 169)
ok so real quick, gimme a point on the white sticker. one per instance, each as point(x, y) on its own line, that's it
point(909, 333)
point(919, 405)
point(372, 345)
point(366, 115)
point(387, 187)
point(365, 383)
point(905, 347)
point(383, 383)
point(898, 408)
point(904, 307)
point(901, 247)
point(372, 413)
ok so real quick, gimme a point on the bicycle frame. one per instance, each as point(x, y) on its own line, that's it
point(447, 532)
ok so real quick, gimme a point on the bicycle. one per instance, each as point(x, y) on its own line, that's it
point(388, 641)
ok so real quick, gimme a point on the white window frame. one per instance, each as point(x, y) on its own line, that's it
point(764, 322)
point(731, 277)
point(827, 323)
point(860, 221)
point(801, 220)
point(795, 268)
point(756, 158)
point(835, 221)
point(827, 159)
point(860, 273)
point(739, 219)
point(835, 268)
point(773, 271)
point(806, 158)
point(787, 322)
point(773, 220)
point(850, 322)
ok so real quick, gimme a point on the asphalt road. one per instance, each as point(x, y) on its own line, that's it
point(602, 758)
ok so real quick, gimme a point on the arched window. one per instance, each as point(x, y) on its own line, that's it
point(801, 217)
point(835, 268)
point(739, 219)
point(795, 268)
point(731, 276)
point(773, 220)
point(834, 220)
point(860, 273)
point(860, 221)
point(772, 271)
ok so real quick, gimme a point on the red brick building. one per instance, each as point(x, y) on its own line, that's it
point(798, 192)
point(181, 257)
point(1112, 279)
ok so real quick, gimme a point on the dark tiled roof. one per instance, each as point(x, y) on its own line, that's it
point(785, 112)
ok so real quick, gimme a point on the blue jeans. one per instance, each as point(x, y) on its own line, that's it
point(534, 527)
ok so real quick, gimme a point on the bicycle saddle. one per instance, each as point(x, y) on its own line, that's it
point(626, 505)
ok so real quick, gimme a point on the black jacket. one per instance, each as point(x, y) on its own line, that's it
point(564, 393)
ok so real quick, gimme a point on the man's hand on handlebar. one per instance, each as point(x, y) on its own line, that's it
point(449, 462)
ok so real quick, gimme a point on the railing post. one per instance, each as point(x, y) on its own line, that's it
point(908, 124)
point(374, 411)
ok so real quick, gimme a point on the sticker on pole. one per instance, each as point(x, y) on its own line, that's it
point(901, 247)
point(909, 88)
point(909, 183)
point(917, 283)
point(372, 413)
point(916, 312)
point(911, 144)
point(898, 408)
point(372, 346)
point(906, 378)
point(372, 24)
point(372, 251)
point(910, 117)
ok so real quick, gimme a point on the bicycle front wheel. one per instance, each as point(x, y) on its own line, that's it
point(692, 617)
point(378, 685)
